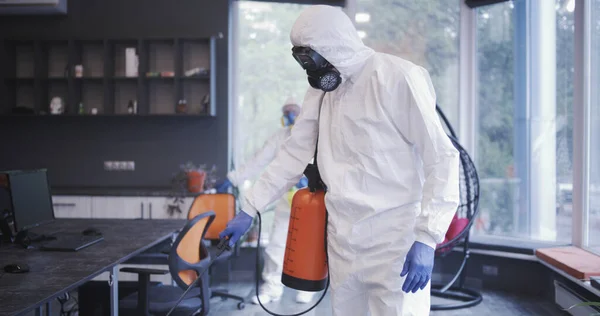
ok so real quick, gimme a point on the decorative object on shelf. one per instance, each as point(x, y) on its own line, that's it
point(78, 71)
point(131, 62)
point(94, 111)
point(160, 74)
point(56, 106)
point(80, 109)
point(181, 107)
point(206, 103)
point(132, 107)
point(198, 71)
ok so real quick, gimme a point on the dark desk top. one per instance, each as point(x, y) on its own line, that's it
point(51, 273)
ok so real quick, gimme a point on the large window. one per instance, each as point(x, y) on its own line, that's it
point(266, 75)
point(524, 139)
point(424, 32)
point(594, 188)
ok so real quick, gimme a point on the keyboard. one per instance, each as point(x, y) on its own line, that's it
point(70, 242)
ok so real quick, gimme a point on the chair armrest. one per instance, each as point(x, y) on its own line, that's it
point(144, 271)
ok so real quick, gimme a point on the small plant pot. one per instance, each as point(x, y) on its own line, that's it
point(195, 181)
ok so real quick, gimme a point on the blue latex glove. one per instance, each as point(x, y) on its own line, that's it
point(236, 227)
point(418, 266)
point(303, 183)
point(223, 187)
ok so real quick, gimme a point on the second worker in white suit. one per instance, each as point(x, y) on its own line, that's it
point(272, 289)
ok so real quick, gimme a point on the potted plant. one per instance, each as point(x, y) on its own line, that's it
point(190, 179)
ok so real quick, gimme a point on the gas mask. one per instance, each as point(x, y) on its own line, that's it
point(288, 119)
point(321, 74)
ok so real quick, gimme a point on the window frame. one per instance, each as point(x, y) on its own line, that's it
point(581, 125)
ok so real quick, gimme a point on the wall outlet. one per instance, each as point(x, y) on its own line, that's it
point(490, 270)
point(130, 165)
point(119, 165)
point(122, 165)
point(109, 165)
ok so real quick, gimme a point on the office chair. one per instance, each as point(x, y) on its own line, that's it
point(458, 232)
point(224, 207)
point(187, 259)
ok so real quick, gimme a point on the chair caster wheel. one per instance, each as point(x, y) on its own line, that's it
point(241, 305)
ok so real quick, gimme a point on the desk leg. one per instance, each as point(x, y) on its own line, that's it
point(114, 291)
point(47, 308)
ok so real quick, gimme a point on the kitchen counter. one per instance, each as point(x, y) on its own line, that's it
point(119, 192)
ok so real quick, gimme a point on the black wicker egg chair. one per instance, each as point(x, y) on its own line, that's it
point(458, 232)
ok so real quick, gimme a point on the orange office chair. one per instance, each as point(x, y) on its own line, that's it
point(187, 259)
point(224, 207)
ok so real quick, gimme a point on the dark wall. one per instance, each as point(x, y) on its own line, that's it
point(74, 148)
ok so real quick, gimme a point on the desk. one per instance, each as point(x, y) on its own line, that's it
point(53, 273)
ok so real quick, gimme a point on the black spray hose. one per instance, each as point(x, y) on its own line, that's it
point(257, 276)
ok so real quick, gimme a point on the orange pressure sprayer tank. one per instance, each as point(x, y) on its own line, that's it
point(305, 261)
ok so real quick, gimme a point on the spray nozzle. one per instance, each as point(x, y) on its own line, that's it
point(223, 246)
point(314, 178)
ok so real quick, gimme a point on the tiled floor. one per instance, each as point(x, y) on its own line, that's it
point(494, 304)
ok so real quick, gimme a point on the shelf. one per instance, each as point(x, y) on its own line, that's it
point(159, 78)
point(20, 79)
point(36, 70)
point(88, 79)
point(125, 78)
point(111, 115)
point(200, 77)
point(56, 79)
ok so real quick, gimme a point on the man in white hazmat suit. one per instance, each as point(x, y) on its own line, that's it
point(272, 289)
point(391, 172)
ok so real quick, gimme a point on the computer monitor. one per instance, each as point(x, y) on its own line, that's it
point(30, 198)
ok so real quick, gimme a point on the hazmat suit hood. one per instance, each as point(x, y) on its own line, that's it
point(330, 32)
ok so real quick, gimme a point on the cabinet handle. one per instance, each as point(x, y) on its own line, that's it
point(150, 210)
point(142, 209)
point(64, 204)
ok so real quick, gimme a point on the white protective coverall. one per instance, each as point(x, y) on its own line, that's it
point(272, 289)
point(391, 172)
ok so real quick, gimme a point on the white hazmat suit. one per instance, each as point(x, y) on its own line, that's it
point(272, 289)
point(391, 172)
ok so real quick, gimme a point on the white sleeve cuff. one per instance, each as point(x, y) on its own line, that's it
point(248, 208)
point(232, 178)
point(426, 239)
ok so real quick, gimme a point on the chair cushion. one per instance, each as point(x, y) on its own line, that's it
point(161, 298)
point(456, 227)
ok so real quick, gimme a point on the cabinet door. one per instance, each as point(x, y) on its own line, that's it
point(72, 206)
point(117, 207)
point(158, 208)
